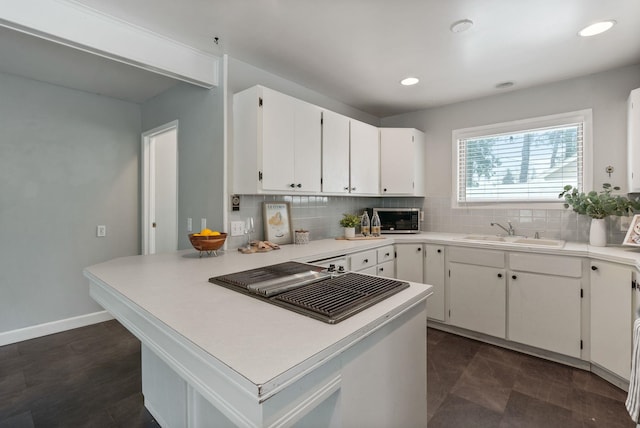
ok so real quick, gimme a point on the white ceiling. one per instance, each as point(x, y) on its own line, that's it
point(356, 51)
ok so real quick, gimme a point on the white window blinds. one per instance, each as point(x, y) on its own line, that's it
point(523, 166)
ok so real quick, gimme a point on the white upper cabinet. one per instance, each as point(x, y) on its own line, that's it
point(401, 161)
point(633, 141)
point(277, 143)
point(365, 159)
point(335, 152)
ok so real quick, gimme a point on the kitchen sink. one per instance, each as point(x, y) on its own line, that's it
point(486, 238)
point(515, 240)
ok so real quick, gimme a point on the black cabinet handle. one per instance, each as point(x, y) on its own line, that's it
point(385, 189)
point(499, 275)
point(299, 185)
point(365, 261)
point(346, 188)
point(292, 185)
point(594, 267)
point(419, 248)
point(387, 254)
point(514, 277)
point(439, 250)
point(381, 269)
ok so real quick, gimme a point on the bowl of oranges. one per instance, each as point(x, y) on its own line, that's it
point(208, 241)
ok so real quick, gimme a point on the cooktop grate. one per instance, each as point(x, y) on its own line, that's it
point(337, 298)
point(248, 277)
point(310, 290)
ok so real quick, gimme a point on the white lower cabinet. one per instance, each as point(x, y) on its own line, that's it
point(380, 262)
point(409, 261)
point(544, 307)
point(477, 290)
point(611, 317)
point(434, 274)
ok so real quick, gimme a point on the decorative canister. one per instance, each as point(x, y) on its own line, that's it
point(302, 237)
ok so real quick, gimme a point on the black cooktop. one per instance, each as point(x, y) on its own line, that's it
point(312, 290)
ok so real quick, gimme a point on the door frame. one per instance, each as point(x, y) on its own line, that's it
point(148, 182)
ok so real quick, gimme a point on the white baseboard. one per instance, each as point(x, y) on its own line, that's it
point(26, 333)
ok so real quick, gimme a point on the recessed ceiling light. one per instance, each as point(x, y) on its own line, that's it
point(597, 28)
point(460, 26)
point(408, 81)
point(504, 85)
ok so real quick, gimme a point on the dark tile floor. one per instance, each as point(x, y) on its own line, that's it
point(87, 377)
point(472, 384)
point(90, 377)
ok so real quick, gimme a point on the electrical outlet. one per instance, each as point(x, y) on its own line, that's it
point(189, 224)
point(101, 231)
point(237, 228)
point(203, 223)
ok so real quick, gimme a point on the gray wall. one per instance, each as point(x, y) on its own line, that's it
point(606, 93)
point(68, 162)
point(200, 152)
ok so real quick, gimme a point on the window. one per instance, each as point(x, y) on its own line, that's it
point(523, 161)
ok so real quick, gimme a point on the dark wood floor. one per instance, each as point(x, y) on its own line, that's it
point(90, 377)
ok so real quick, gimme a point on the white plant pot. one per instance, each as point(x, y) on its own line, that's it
point(598, 232)
point(349, 232)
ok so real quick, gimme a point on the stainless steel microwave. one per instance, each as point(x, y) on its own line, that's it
point(399, 220)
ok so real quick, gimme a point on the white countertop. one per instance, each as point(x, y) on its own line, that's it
point(264, 344)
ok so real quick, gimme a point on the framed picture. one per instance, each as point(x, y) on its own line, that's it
point(277, 222)
point(633, 234)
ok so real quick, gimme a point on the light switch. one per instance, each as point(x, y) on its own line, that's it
point(101, 231)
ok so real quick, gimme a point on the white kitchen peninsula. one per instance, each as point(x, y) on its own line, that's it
point(215, 357)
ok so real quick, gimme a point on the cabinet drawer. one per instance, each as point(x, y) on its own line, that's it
point(386, 269)
point(471, 256)
point(551, 265)
point(363, 260)
point(386, 253)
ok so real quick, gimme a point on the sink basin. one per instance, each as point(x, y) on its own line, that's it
point(487, 238)
point(539, 242)
point(515, 240)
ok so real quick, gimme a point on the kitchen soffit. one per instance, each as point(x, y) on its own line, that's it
point(357, 51)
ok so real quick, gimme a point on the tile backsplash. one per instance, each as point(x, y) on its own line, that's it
point(549, 223)
point(320, 215)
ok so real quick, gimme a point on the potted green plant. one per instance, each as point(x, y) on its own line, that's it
point(349, 222)
point(598, 206)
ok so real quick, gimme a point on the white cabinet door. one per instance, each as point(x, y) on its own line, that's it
point(307, 150)
point(409, 261)
point(611, 317)
point(386, 269)
point(544, 311)
point(477, 298)
point(365, 159)
point(397, 154)
point(434, 274)
point(335, 153)
point(278, 141)
point(633, 141)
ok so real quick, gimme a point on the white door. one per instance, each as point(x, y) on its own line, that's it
point(397, 158)
point(160, 189)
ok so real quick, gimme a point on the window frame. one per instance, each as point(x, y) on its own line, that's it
point(585, 116)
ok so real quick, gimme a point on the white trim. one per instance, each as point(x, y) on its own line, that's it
point(75, 25)
point(39, 330)
point(585, 116)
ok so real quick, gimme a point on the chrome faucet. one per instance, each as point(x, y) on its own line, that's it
point(511, 231)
